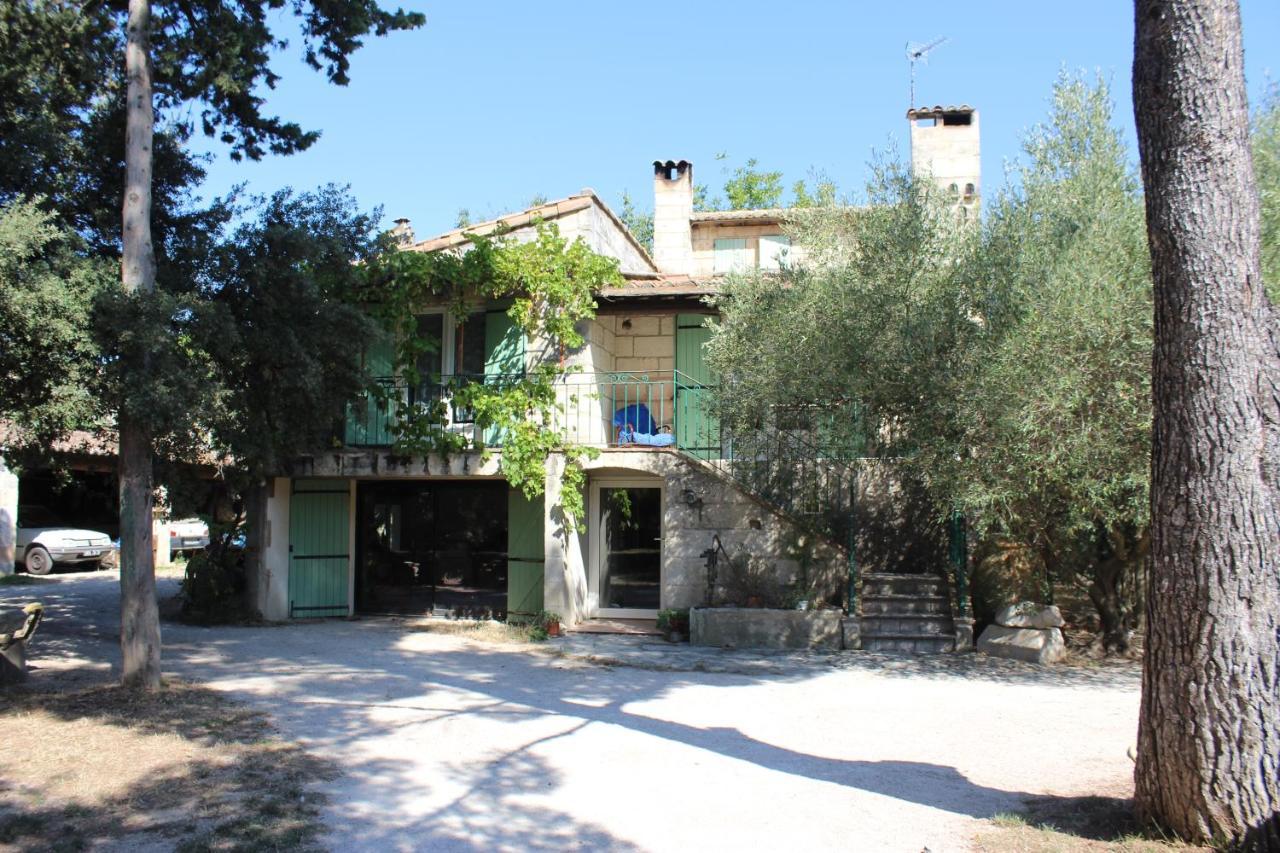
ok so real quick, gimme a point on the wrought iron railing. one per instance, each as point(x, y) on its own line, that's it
point(373, 420)
point(596, 409)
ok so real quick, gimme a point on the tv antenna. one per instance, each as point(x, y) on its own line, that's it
point(919, 53)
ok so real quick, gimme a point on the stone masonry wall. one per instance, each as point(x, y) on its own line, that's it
point(744, 526)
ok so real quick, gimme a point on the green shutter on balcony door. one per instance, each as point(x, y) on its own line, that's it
point(369, 420)
point(503, 356)
point(697, 429)
point(525, 554)
point(319, 553)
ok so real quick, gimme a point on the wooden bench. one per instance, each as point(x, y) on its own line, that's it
point(16, 629)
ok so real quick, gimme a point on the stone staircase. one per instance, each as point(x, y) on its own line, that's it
point(906, 613)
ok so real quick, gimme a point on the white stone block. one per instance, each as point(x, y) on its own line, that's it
point(1043, 645)
point(1028, 614)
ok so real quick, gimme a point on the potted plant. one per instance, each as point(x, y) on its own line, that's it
point(674, 624)
point(550, 622)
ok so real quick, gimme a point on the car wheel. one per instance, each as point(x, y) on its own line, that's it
point(38, 561)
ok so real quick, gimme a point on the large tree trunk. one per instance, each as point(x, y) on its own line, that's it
point(1209, 735)
point(139, 615)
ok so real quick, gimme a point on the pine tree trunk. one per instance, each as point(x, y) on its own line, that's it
point(139, 615)
point(1209, 734)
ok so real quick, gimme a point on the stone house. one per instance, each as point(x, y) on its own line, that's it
point(358, 528)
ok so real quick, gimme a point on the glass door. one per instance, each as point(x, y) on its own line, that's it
point(627, 576)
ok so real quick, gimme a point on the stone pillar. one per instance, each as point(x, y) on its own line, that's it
point(851, 627)
point(964, 633)
point(8, 518)
point(160, 542)
point(272, 593)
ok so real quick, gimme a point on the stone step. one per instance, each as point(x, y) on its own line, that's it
point(876, 586)
point(918, 624)
point(909, 643)
point(875, 605)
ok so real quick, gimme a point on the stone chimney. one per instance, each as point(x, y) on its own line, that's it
point(402, 232)
point(945, 145)
point(672, 210)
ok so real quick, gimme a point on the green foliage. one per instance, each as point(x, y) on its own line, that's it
point(553, 284)
point(213, 583)
point(274, 297)
point(639, 223)
point(674, 619)
point(1007, 364)
point(550, 284)
point(748, 188)
point(1266, 167)
point(745, 188)
point(824, 193)
point(1053, 426)
point(231, 307)
point(49, 363)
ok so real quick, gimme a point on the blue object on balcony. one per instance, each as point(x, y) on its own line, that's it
point(635, 426)
point(634, 418)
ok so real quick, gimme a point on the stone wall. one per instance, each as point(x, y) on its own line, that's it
point(705, 235)
point(744, 525)
point(269, 550)
point(604, 235)
point(646, 343)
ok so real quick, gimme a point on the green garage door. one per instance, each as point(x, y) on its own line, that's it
point(319, 553)
point(525, 554)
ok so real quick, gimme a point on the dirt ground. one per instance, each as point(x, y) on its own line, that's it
point(459, 740)
point(90, 765)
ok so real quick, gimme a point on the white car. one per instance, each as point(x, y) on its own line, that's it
point(188, 536)
point(43, 541)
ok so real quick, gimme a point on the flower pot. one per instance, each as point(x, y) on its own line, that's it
point(553, 629)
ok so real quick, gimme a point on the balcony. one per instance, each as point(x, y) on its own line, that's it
point(592, 409)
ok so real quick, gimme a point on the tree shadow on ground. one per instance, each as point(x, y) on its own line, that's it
point(231, 783)
point(345, 684)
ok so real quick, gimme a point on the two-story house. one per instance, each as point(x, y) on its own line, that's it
point(359, 528)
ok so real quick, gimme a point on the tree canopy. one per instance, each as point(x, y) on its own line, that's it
point(1005, 363)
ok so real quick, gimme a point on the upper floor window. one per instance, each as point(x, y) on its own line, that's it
point(732, 254)
point(774, 249)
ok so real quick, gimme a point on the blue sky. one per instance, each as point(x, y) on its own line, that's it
point(493, 103)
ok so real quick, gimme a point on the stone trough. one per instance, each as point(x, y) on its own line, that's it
point(763, 628)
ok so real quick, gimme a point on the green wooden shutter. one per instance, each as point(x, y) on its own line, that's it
point(697, 429)
point(503, 357)
point(319, 553)
point(525, 554)
point(369, 420)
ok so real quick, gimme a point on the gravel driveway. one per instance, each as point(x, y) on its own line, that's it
point(452, 745)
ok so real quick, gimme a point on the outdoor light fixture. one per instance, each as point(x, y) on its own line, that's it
point(626, 324)
point(692, 501)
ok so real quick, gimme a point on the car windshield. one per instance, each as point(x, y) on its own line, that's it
point(37, 516)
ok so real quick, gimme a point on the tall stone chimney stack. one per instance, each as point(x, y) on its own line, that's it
point(945, 145)
point(672, 212)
